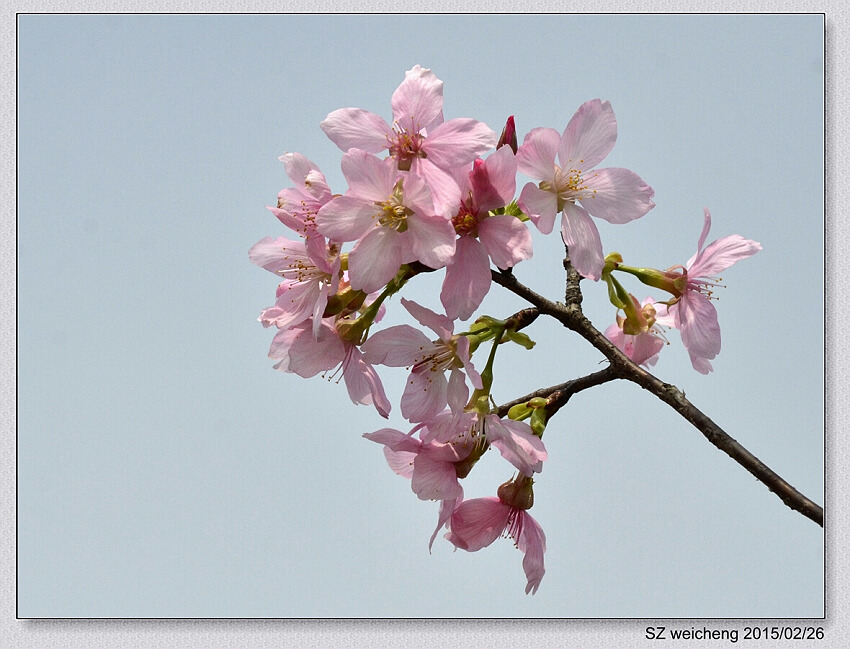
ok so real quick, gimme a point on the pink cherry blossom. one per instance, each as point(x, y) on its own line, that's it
point(692, 312)
point(427, 390)
point(641, 346)
point(515, 440)
point(306, 284)
point(390, 215)
point(298, 206)
point(476, 523)
point(577, 190)
point(299, 352)
point(429, 465)
point(481, 237)
point(419, 140)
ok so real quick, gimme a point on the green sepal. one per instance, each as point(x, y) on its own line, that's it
point(347, 299)
point(520, 411)
point(538, 421)
point(512, 209)
point(520, 339)
point(616, 293)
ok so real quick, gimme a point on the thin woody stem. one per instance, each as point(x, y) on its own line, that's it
point(570, 315)
point(558, 395)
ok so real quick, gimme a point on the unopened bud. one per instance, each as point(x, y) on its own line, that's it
point(346, 300)
point(517, 493)
point(508, 135)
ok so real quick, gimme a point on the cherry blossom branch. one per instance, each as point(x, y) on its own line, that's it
point(570, 315)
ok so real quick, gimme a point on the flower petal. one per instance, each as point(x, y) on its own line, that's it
point(434, 480)
point(536, 156)
point(506, 239)
point(363, 383)
point(444, 190)
point(297, 302)
point(517, 444)
point(375, 260)
point(494, 181)
point(347, 218)
point(619, 195)
point(281, 343)
point(424, 395)
point(395, 440)
point(541, 206)
point(401, 462)
point(447, 508)
point(457, 393)
point(458, 142)
point(467, 278)
point(721, 254)
point(589, 136)
point(397, 346)
point(706, 226)
point(418, 100)
point(308, 356)
point(532, 543)
point(297, 167)
point(368, 177)
point(476, 523)
point(432, 239)
point(468, 367)
point(698, 324)
point(441, 325)
point(355, 128)
point(276, 254)
point(582, 239)
point(701, 365)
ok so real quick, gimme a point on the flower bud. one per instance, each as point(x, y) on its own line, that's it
point(517, 493)
point(347, 299)
point(508, 135)
point(353, 331)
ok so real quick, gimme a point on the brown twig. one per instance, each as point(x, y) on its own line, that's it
point(561, 393)
point(570, 315)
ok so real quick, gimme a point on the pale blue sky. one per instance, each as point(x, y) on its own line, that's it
point(165, 470)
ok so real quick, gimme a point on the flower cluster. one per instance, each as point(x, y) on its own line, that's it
point(425, 194)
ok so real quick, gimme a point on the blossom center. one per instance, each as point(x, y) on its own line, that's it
point(440, 357)
point(466, 221)
point(300, 269)
point(404, 146)
point(704, 285)
point(394, 212)
point(568, 185)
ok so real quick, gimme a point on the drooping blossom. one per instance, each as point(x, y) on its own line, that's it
point(692, 313)
point(391, 217)
point(299, 351)
point(431, 466)
point(515, 440)
point(502, 238)
point(427, 391)
point(298, 206)
point(308, 280)
point(577, 190)
point(476, 523)
point(419, 140)
point(641, 341)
